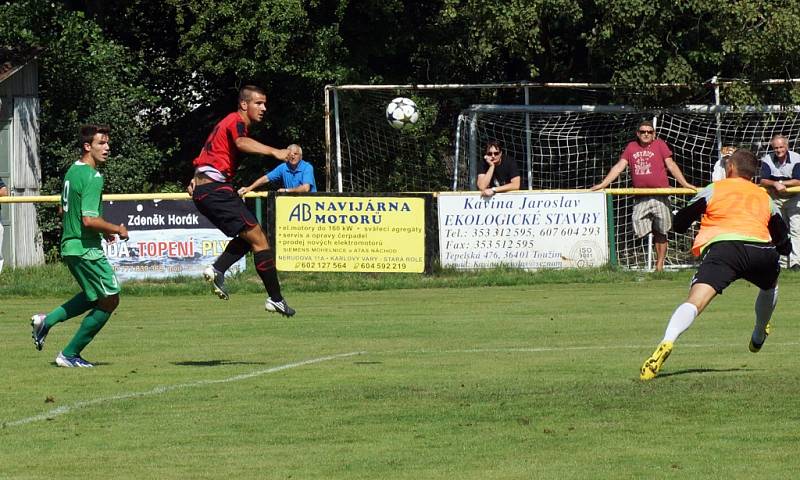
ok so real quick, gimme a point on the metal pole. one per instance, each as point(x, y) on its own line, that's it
point(338, 142)
point(327, 120)
point(457, 152)
point(528, 154)
point(718, 116)
point(612, 240)
point(473, 150)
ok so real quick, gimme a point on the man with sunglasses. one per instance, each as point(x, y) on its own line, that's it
point(496, 175)
point(649, 158)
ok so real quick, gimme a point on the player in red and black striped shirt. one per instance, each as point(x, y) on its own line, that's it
point(217, 199)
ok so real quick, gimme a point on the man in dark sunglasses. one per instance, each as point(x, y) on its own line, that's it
point(495, 174)
point(649, 158)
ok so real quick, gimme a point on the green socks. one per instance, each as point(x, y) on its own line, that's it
point(90, 326)
point(71, 308)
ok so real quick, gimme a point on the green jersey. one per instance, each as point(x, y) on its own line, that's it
point(81, 197)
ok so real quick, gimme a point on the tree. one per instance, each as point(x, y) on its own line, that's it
point(84, 78)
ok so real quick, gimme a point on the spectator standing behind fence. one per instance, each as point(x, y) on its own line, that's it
point(719, 167)
point(779, 170)
point(296, 175)
point(649, 158)
point(3, 193)
point(495, 173)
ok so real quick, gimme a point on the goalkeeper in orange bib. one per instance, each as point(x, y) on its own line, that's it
point(741, 236)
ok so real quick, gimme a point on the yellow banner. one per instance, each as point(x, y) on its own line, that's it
point(350, 234)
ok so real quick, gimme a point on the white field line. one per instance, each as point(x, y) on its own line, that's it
point(168, 388)
point(63, 410)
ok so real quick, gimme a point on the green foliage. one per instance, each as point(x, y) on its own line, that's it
point(162, 73)
point(641, 42)
point(84, 78)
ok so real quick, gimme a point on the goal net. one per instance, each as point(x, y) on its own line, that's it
point(573, 147)
point(556, 147)
point(366, 154)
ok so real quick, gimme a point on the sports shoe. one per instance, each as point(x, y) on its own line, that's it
point(280, 307)
point(652, 365)
point(756, 347)
point(39, 330)
point(72, 362)
point(217, 279)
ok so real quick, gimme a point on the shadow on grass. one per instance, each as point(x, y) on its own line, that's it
point(702, 370)
point(213, 363)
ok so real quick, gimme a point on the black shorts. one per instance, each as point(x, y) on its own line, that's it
point(221, 204)
point(725, 262)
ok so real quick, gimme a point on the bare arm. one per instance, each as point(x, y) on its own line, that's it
point(510, 186)
point(298, 189)
point(104, 227)
point(248, 145)
point(675, 170)
point(779, 186)
point(612, 175)
point(485, 178)
point(262, 180)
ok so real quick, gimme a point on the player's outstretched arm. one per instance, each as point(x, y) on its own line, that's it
point(780, 234)
point(689, 214)
point(248, 145)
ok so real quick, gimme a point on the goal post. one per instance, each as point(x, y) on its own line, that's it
point(569, 147)
point(557, 146)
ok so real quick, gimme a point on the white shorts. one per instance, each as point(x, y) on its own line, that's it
point(652, 214)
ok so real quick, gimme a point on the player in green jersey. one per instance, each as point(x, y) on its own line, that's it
point(81, 249)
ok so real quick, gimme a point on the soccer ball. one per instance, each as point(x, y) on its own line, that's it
point(401, 113)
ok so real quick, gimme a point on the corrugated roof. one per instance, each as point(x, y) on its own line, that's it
point(12, 59)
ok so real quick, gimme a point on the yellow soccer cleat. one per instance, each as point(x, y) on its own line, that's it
point(755, 348)
point(653, 364)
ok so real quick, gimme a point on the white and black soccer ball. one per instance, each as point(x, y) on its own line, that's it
point(401, 113)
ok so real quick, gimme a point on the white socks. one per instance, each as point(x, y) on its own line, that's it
point(681, 320)
point(765, 305)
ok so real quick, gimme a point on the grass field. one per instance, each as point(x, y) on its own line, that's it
point(501, 382)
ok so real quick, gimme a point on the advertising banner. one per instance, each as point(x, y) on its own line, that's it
point(524, 230)
point(167, 238)
point(350, 234)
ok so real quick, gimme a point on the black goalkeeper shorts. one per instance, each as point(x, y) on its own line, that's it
point(727, 261)
point(221, 204)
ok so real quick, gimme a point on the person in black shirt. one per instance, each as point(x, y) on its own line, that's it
point(496, 175)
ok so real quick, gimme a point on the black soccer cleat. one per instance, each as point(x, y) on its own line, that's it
point(278, 307)
point(217, 280)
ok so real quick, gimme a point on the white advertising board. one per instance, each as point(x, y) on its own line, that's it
point(168, 238)
point(523, 229)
